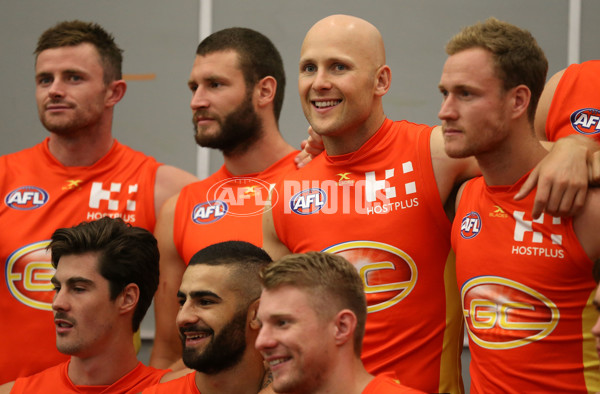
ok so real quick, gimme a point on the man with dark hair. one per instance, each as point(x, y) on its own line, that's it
point(237, 84)
point(79, 173)
point(218, 298)
point(526, 284)
point(106, 275)
point(312, 313)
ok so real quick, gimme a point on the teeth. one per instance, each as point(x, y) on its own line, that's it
point(323, 104)
point(278, 361)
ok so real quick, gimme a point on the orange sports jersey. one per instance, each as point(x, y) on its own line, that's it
point(380, 208)
point(575, 106)
point(527, 289)
point(225, 207)
point(56, 380)
point(387, 385)
point(183, 385)
point(39, 195)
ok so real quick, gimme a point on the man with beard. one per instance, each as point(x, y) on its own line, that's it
point(80, 172)
point(218, 298)
point(106, 275)
point(237, 83)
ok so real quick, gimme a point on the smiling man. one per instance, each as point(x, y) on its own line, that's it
point(218, 300)
point(312, 314)
point(106, 275)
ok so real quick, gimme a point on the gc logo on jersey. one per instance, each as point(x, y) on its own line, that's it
point(470, 225)
point(308, 201)
point(388, 273)
point(503, 314)
point(26, 198)
point(209, 212)
point(586, 121)
point(28, 274)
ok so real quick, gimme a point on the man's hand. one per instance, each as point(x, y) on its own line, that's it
point(311, 147)
point(562, 178)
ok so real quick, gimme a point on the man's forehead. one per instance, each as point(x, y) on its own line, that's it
point(200, 277)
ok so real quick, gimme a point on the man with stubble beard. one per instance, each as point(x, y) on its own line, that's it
point(237, 83)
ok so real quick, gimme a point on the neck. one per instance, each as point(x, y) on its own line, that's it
point(84, 147)
point(346, 377)
point(512, 159)
point(265, 152)
point(350, 140)
point(244, 378)
point(114, 360)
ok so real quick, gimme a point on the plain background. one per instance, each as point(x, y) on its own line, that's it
point(160, 37)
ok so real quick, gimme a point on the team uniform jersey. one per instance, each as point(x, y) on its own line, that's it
point(183, 385)
point(379, 207)
point(56, 380)
point(527, 289)
point(386, 385)
point(224, 207)
point(575, 106)
point(39, 195)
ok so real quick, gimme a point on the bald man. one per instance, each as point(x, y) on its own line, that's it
point(377, 198)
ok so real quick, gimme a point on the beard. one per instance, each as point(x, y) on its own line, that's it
point(225, 349)
point(239, 130)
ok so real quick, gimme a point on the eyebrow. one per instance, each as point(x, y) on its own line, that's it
point(73, 280)
point(198, 294)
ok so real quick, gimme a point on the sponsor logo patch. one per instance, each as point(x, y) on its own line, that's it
point(209, 212)
point(308, 201)
point(470, 225)
point(28, 274)
point(503, 314)
point(26, 198)
point(586, 121)
point(388, 273)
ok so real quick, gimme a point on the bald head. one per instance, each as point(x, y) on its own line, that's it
point(349, 32)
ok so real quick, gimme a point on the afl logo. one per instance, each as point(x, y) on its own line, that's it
point(308, 201)
point(26, 198)
point(503, 314)
point(389, 274)
point(209, 212)
point(470, 225)
point(28, 274)
point(586, 121)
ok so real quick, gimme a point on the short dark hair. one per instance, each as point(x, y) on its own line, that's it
point(246, 261)
point(257, 56)
point(72, 33)
point(334, 284)
point(126, 255)
point(518, 58)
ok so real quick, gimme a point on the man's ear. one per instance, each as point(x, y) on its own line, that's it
point(521, 97)
point(383, 81)
point(345, 325)
point(265, 90)
point(253, 315)
point(129, 298)
point(115, 92)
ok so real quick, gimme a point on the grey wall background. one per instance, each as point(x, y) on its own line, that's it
point(160, 37)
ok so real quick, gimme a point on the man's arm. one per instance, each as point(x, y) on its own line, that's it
point(6, 387)
point(169, 181)
point(167, 345)
point(543, 107)
point(271, 242)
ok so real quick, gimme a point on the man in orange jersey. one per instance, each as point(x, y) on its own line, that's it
point(377, 197)
point(218, 298)
point(312, 314)
point(106, 275)
point(79, 173)
point(526, 284)
point(237, 84)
